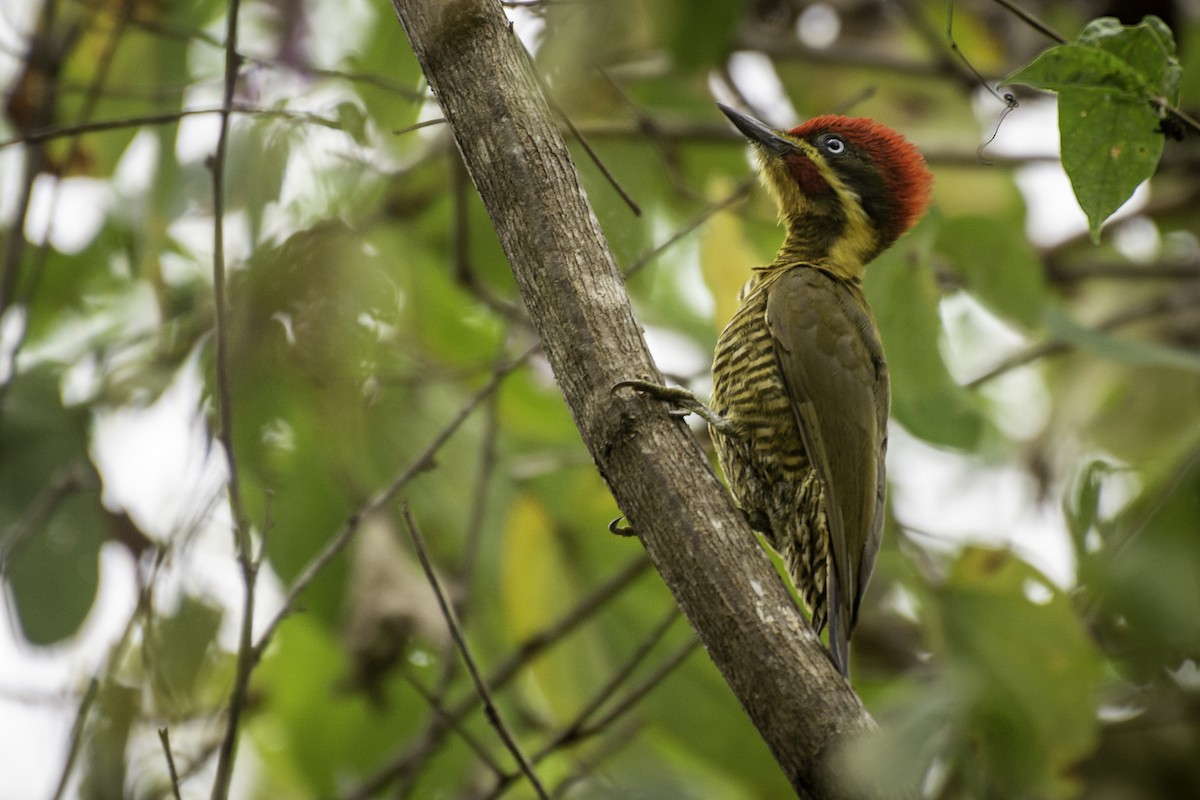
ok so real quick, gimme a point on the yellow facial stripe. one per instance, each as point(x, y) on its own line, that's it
point(857, 240)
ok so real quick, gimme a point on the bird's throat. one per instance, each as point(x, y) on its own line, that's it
point(831, 245)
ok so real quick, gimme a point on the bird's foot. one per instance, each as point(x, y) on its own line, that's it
point(618, 528)
point(682, 403)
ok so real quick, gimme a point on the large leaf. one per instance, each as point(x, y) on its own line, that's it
point(904, 300)
point(999, 269)
point(50, 512)
point(1113, 84)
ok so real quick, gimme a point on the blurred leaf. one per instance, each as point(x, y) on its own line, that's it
point(180, 650)
point(1011, 712)
point(1124, 350)
point(309, 734)
point(538, 583)
point(107, 738)
point(1111, 85)
point(1145, 575)
point(1001, 270)
point(353, 120)
point(726, 258)
point(904, 300)
point(698, 33)
point(49, 500)
point(1081, 505)
point(1028, 715)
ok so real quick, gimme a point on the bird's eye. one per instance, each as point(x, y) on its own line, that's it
point(833, 145)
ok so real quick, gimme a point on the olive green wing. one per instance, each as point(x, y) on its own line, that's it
point(832, 365)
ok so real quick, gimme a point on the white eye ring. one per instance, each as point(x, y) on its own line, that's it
point(834, 145)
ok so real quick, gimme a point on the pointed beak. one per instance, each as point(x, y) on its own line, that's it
point(758, 132)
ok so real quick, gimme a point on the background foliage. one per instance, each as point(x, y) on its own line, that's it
point(377, 352)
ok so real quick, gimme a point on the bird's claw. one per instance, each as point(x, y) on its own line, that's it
point(616, 528)
point(683, 402)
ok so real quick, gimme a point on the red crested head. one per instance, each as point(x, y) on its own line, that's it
point(885, 169)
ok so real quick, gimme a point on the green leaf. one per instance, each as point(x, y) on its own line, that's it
point(181, 648)
point(1146, 580)
point(1001, 270)
point(1148, 48)
point(1025, 674)
point(104, 768)
point(699, 33)
point(1070, 67)
point(1110, 145)
point(50, 512)
point(1113, 84)
point(925, 399)
point(1125, 351)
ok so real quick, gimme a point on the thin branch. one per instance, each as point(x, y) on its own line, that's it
point(460, 244)
point(227, 753)
point(591, 154)
point(1164, 304)
point(344, 534)
point(695, 222)
point(1032, 21)
point(481, 687)
point(49, 134)
point(413, 757)
point(620, 738)
point(1182, 270)
point(165, 737)
point(455, 725)
point(577, 729)
point(76, 740)
point(627, 703)
point(639, 692)
point(483, 480)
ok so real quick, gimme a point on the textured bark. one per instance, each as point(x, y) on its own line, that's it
point(576, 298)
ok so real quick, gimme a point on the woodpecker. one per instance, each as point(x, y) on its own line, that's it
point(800, 386)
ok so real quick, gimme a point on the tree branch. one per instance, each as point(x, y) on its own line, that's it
point(706, 554)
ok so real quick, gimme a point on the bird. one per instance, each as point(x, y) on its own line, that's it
point(800, 397)
point(799, 372)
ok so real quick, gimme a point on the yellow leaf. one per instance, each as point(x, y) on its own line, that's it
point(537, 585)
point(726, 258)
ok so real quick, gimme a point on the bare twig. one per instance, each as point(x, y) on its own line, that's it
point(695, 222)
point(1164, 304)
point(1032, 21)
point(165, 737)
point(455, 725)
point(81, 714)
point(577, 729)
point(638, 692)
point(592, 155)
point(460, 244)
point(413, 757)
point(344, 534)
point(224, 394)
point(620, 738)
point(49, 134)
point(481, 687)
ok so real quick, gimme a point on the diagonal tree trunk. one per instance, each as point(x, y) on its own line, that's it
point(576, 298)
